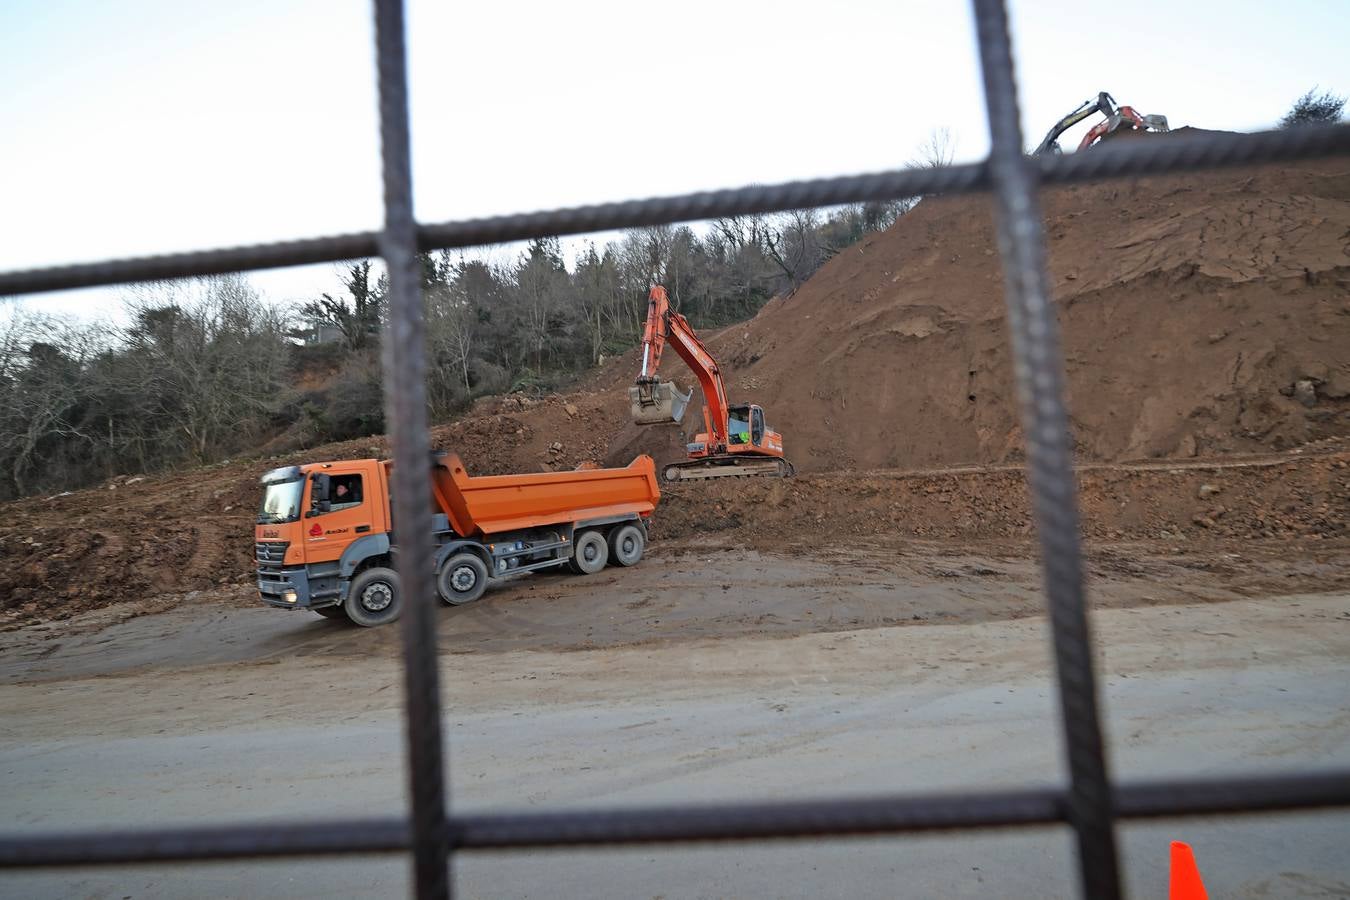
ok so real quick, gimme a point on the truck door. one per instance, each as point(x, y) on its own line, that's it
point(350, 511)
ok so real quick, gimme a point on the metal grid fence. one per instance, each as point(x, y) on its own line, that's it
point(1091, 803)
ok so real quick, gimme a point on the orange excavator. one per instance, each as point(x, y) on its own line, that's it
point(736, 441)
point(1116, 119)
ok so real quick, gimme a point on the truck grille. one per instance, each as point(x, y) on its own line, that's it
point(270, 553)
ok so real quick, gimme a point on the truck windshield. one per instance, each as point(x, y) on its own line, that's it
point(281, 502)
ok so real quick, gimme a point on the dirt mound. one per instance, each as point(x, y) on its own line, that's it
point(1284, 496)
point(1202, 314)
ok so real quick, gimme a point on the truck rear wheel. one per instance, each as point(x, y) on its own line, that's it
point(374, 598)
point(589, 554)
point(626, 544)
point(462, 579)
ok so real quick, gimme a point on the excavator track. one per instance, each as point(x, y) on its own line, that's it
point(727, 467)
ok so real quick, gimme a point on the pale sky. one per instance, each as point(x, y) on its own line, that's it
point(156, 126)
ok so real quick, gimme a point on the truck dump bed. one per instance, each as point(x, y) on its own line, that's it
point(490, 504)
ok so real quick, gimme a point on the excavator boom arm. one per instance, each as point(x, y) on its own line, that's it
point(1115, 118)
point(1104, 103)
point(664, 325)
point(654, 332)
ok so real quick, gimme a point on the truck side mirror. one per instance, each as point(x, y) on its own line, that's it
point(318, 494)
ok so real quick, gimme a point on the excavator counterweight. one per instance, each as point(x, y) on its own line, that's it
point(736, 441)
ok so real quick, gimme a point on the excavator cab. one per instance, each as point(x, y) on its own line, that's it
point(738, 425)
point(655, 402)
point(745, 425)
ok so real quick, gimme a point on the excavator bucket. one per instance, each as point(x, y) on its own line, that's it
point(657, 403)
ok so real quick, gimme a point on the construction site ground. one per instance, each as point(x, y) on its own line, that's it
point(707, 673)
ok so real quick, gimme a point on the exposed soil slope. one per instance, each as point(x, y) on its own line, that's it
point(1191, 308)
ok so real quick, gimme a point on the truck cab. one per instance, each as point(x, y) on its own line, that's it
point(324, 534)
point(317, 525)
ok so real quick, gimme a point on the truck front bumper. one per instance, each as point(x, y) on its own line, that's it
point(286, 588)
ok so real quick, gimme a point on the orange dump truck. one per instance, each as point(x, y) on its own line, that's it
point(325, 542)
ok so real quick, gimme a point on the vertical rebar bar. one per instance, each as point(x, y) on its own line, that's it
point(1040, 382)
point(404, 360)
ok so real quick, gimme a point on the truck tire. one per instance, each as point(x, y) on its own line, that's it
point(462, 579)
point(374, 598)
point(589, 553)
point(625, 545)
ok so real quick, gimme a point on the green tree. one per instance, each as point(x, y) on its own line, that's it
point(357, 315)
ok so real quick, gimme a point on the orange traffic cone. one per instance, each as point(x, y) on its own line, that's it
point(1186, 883)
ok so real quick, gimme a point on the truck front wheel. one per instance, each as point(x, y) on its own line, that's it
point(374, 598)
point(462, 579)
point(589, 553)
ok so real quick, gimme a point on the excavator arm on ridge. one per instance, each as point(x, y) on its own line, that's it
point(1105, 104)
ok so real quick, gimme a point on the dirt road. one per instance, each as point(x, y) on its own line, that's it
point(699, 676)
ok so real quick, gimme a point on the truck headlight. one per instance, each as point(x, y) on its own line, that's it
point(288, 596)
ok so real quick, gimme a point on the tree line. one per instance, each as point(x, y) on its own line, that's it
point(191, 376)
point(206, 369)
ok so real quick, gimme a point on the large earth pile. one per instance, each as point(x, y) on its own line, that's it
point(1201, 314)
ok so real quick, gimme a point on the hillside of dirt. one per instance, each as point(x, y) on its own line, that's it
point(1206, 323)
point(1201, 314)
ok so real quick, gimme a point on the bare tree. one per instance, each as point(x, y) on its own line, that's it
point(600, 297)
point(451, 334)
point(1313, 108)
point(937, 151)
point(794, 245)
point(40, 397)
point(211, 354)
point(543, 288)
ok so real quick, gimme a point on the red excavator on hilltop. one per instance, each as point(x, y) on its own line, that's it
point(1116, 118)
point(736, 440)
